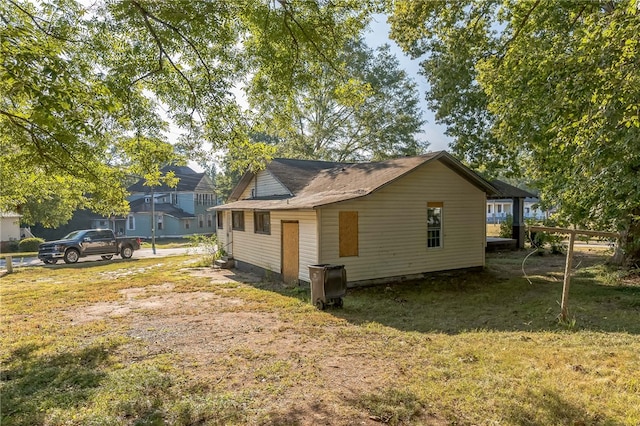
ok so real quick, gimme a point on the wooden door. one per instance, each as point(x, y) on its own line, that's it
point(290, 252)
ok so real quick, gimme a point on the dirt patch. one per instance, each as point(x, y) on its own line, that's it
point(308, 374)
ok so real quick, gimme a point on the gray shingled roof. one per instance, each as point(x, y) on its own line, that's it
point(189, 180)
point(506, 190)
point(139, 206)
point(317, 183)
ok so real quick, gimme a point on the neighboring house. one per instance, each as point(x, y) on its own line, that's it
point(395, 219)
point(499, 209)
point(501, 205)
point(9, 229)
point(179, 211)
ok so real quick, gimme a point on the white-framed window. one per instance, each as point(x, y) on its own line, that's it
point(489, 208)
point(209, 220)
point(434, 224)
point(499, 208)
point(219, 219)
point(201, 221)
point(131, 223)
point(160, 222)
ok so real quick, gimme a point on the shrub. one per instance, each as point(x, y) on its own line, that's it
point(553, 241)
point(208, 245)
point(13, 247)
point(30, 244)
point(506, 227)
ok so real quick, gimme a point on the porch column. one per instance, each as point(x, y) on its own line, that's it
point(518, 230)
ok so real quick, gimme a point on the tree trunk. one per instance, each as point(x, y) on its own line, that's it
point(627, 251)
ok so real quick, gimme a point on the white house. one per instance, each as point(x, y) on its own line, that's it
point(389, 220)
point(9, 228)
point(499, 209)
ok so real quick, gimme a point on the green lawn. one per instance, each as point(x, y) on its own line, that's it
point(142, 343)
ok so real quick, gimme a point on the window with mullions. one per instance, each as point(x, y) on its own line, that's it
point(434, 225)
point(262, 222)
point(237, 221)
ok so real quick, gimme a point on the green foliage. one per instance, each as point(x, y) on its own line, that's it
point(225, 182)
point(80, 81)
point(545, 88)
point(366, 110)
point(542, 240)
point(207, 246)
point(30, 244)
point(506, 227)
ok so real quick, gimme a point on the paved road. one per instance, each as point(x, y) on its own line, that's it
point(144, 253)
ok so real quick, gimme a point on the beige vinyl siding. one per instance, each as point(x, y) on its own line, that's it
point(264, 185)
point(392, 226)
point(265, 250)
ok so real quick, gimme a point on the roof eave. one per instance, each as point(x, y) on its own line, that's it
point(466, 172)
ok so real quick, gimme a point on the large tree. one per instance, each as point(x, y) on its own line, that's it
point(550, 89)
point(367, 111)
point(79, 79)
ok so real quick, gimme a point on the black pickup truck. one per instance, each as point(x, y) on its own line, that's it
point(87, 242)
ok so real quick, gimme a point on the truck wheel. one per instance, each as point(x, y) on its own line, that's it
point(106, 256)
point(126, 252)
point(71, 256)
point(50, 261)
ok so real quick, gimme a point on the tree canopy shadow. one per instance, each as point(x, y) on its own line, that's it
point(30, 382)
point(463, 301)
point(548, 405)
point(497, 298)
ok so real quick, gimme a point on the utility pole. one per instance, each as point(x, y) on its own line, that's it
point(153, 220)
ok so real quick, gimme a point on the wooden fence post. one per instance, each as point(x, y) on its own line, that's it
point(9, 264)
point(564, 310)
point(564, 307)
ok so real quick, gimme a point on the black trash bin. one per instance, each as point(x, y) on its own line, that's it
point(328, 285)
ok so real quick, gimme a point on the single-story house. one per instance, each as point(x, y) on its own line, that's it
point(395, 219)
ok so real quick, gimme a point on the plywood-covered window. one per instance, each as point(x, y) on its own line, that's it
point(262, 222)
point(237, 220)
point(348, 233)
point(434, 224)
